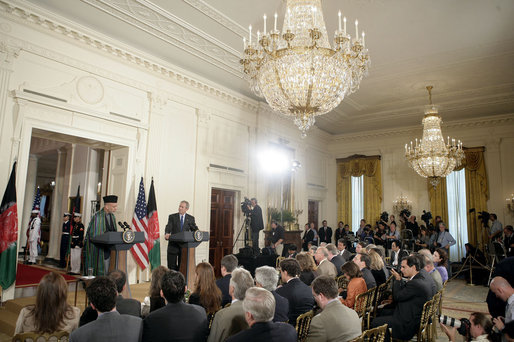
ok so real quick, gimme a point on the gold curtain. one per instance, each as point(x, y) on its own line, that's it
point(438, 199)
point(477, 193)
point(357, 166)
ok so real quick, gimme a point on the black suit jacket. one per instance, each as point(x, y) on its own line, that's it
point(266, 331)
point(325, 235)
point(176, 322)
point(347, 255)
point(308, 236)
point(339, 234)
point(338, 261)
point(173, 227)
point(281, 308)
point(299, 296)
point(128, 306)
point(257, 223)
point(223, 284)
point(409, 298)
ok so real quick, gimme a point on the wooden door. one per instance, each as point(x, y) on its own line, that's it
point(222, 227)
point(313, 213)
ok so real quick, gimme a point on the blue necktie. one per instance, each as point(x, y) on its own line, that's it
point(181, 222)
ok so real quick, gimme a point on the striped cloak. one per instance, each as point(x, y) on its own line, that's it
point(94, 256)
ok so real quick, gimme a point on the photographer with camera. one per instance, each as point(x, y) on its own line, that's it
point(477, 328)
point(256, 223)
point(496, 228)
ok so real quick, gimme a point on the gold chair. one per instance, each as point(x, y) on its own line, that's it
point(57, 336)
point(278, 260)
point(364, 306)
point(424, 333)
point(372, 335)
point(387, 260)
point(303, 322)
point(436, 311)
point(342, 282)
point(379, 297)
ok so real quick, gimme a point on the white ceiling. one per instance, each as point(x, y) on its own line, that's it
point(464, 48)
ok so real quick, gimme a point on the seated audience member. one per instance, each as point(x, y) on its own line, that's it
point(377, 267)
point(177, 320)
point(441, 263)
point(397, 254)
point(154, 300)
point(312, 252)
point(408, 299)
point(356, 285)
point(259, 306)
point(424, 274)
point(381, 252)
point(292, 251)
point(336, 322)
point(206, 293)
point(363, 261)
point(343, 251)
point(480, 331)
point(325, 267)
point(508, 240)
point(267, 278)
point(335, 258)
point(294, 290)
point(110, 324)
point(228, 264)
point(51, 311)
point(430, 268)
point(504, 269)
point(229, 321)
point(360, 247)
point(308, 268)
point(504, 291)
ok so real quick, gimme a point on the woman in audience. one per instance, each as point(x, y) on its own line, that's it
point(356, 285)
point(480, 329)
point(377, 267)
point(206, 293)
point(308, 268)
point(51, 312)
point(154, 300)
point(423, 240)
point(440, 262)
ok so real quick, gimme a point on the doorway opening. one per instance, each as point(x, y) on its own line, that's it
point(221, 227)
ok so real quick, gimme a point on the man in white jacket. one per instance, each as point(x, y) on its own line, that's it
point(34, 234)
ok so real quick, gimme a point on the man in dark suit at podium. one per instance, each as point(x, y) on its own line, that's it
point(177, 223)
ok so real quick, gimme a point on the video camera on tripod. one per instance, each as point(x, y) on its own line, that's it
point(245, 207)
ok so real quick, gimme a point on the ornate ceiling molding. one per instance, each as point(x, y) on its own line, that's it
point(217, 16)
point(44, 22)
point(165, 26)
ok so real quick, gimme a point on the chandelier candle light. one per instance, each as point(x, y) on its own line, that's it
point(430, 157)
point(297, 71)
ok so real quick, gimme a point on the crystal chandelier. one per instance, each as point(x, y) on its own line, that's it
point(401, 203)
point(431, 157)
point(297, 71)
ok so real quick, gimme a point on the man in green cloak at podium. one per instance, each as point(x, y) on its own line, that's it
point(102, 221)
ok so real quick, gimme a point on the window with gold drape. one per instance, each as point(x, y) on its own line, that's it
point(357, 166)
point(477, 194)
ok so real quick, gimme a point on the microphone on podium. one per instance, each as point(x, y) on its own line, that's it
point(121, 225)
point(127, 226)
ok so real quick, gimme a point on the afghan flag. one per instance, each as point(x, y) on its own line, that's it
point(8, 233)
point(153, 229)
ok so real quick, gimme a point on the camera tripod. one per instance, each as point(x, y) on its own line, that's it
point(470, 259)
point(246, 227)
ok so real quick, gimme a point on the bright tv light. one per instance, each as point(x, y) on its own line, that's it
point(274, 161)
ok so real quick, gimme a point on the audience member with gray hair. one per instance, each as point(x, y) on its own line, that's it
point(335, 258)
point(325, 267)
point(267, 278)
point(259, 307)
point(231, 320)
point(430, 268)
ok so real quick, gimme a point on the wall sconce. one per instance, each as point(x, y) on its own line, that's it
point(510, 202)
point(401, 203)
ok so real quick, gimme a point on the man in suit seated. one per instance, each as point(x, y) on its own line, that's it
point(408, 300)
point(343, 251)
point(336, 322)
point(229, 321)
point(259, 306)
point(364, 262)
point(292, 251)
point(397, 254)
point(125, 306)
point(182, 321)
point(325, 267)
point(431, 270)
point(335, 258)
point(110, 325)
point(294, 290)
point(228, 264)
point(267, 278)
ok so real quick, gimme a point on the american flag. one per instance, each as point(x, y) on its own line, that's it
point(140, 224)
point(37, 200)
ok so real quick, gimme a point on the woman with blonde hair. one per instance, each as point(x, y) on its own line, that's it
point(308, 268)
point(206, 293)
point(377, 267)
point(51, 312)
point(356, 285)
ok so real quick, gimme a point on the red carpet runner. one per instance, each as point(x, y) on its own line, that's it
point(28, 275)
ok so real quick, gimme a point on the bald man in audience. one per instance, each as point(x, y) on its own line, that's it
point(504, 291)
point(325, 267)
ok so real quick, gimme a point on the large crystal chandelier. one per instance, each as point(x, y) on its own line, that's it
point(431, 157)
point(297, 71)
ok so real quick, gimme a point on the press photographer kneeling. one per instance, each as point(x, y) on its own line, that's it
point(477, 328)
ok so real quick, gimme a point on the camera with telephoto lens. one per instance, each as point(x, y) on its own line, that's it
point(245, 206)
point(463, 325)
point(426, 217)
point(405, 214)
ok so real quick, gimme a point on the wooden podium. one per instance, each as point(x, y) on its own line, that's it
point(114, 241)
point(187, 241)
